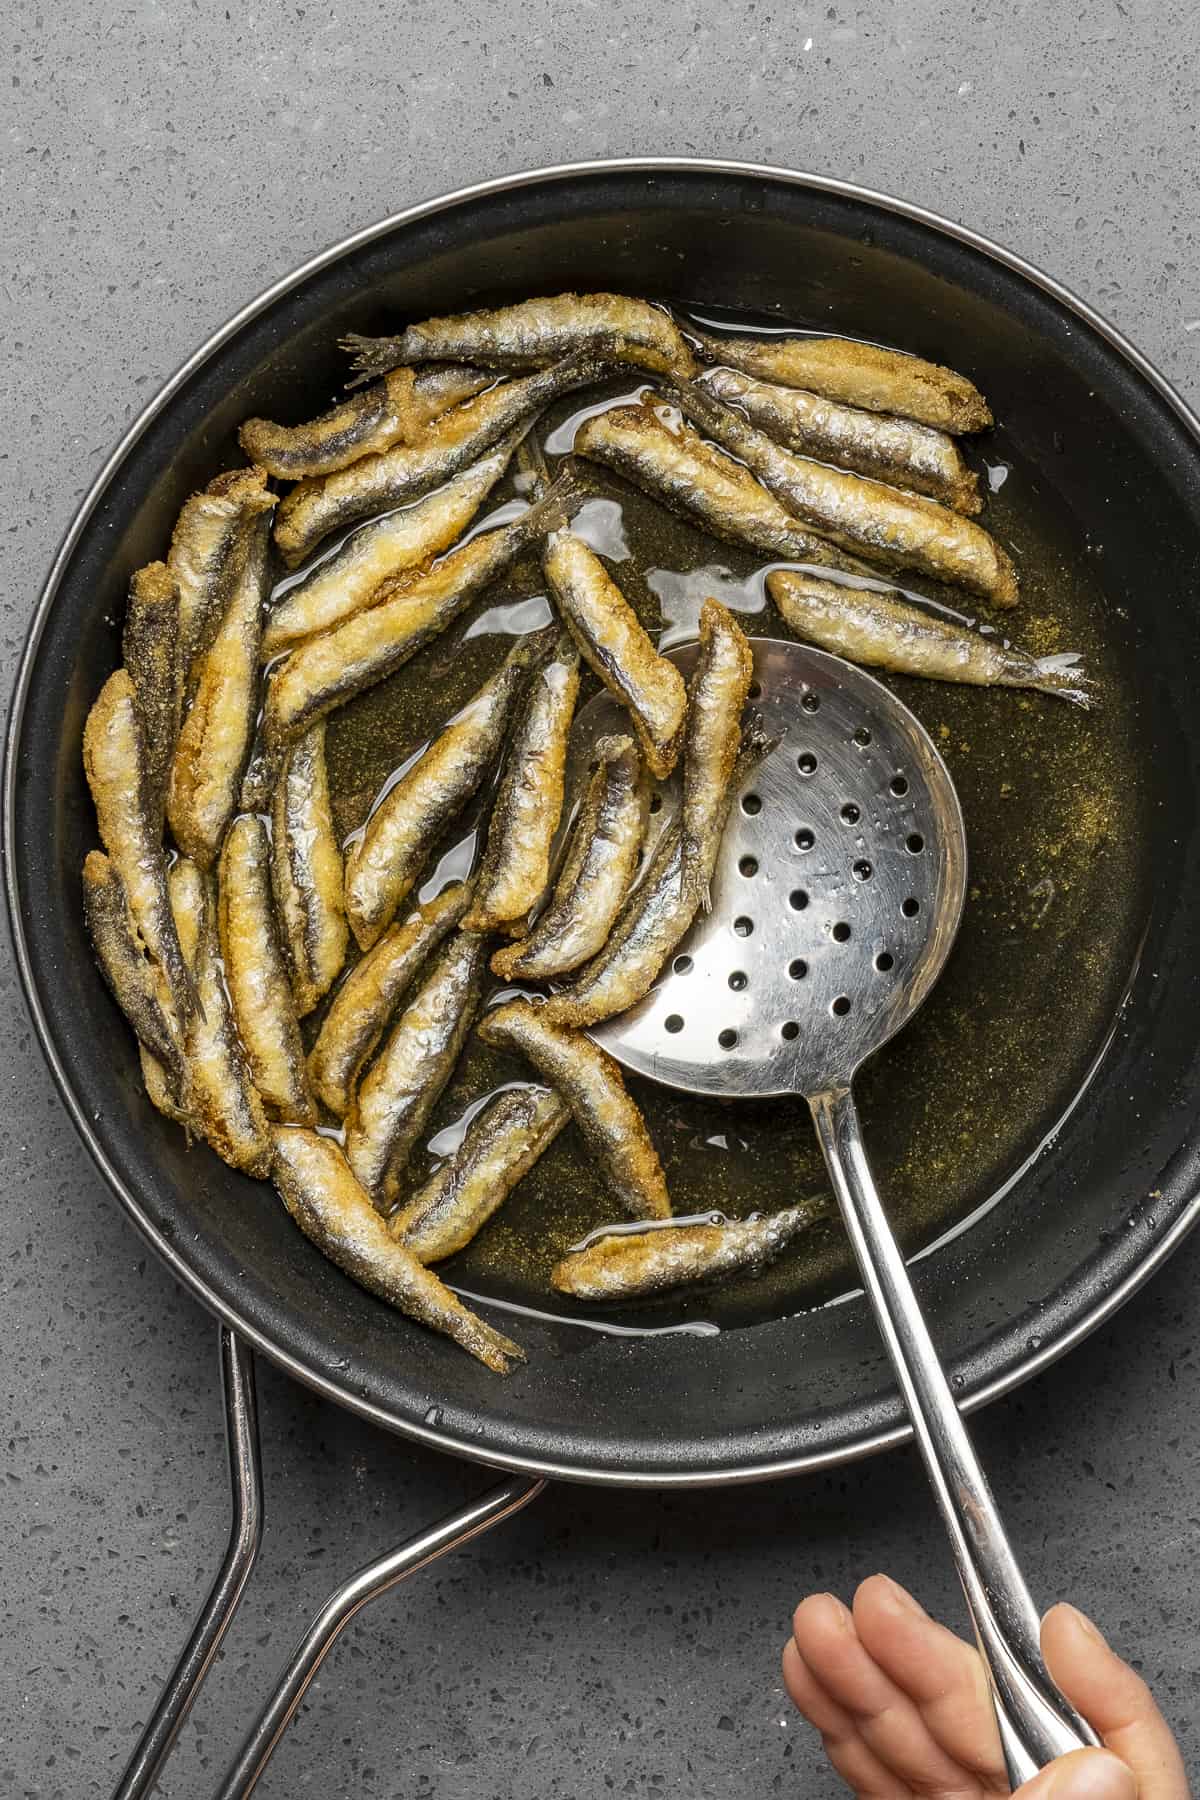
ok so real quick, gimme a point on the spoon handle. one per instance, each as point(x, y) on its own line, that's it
point(1036, 1722)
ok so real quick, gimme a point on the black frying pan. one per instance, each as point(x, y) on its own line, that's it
point(1077, 1231)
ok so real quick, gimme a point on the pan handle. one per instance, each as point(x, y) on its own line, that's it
point(245, 1536)
point(1036, 1722)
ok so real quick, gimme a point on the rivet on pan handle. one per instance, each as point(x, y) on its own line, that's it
point(216, 1616)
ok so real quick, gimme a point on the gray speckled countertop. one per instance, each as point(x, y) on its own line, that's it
point(159, 165)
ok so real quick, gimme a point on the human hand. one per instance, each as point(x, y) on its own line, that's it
point(903, 1708)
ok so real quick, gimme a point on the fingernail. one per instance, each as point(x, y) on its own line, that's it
point(1084, 1623)
point(901, 1597)
point(841, 1612)
point(1092, 1775)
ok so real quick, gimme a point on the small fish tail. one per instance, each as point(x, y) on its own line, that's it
point(1062, 674)
point(371, 357)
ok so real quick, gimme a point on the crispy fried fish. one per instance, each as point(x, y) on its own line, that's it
point(368, 997)
point(114, 759)
point(150, 652)
point(393, 411)
point(256, 975)
point(528, 806)
point(886, 381)
point(898, 451)
point(306, 872)
point(331, 669)
point(502, 1144)
point(204, 556)
point(588, 1079)
point(599, 865)
point(626, 1264)
point(334, 1213)
point(614, 326)
point(350, 579)
point(882, 631)
point(403, 1084)
point(889, 527)
point(315, 508)
point(218, 729)
point(617, 647)
point(383, 865)
point(124, 965)
point(716, 696)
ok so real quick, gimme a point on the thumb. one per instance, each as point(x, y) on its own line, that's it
point(1116, 1702)
point(1083, 1775)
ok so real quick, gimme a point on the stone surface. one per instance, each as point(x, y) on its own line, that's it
point(159, 165)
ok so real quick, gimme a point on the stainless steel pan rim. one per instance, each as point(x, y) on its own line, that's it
point(1101, 1309)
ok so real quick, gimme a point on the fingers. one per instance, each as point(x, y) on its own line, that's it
point(1083, 1775)
point(943, 1677)
point(1116, 1701)
point(849, 1756)
point(854, 1702)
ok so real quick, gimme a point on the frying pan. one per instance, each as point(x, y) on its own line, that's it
point(1079, 1228)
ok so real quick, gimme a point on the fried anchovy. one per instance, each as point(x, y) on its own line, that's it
point(716, 695)
point(599, 865)
point(393, 411)
point(885, 381)
point(617, 647)
point(502, 1145)
point(256, 975)
point(516, 863)
point(331, 669)
point(367, 998)
point(883, 631)
point(204, 556)
point(333, 1212)
point(218, 729)
point(625, 1264)
point(124, 965)
point(353, 576)
point(306, 872)
point(898, 451)
point(150, 652)
point(185, 887)
point(403, 1084)
point(315, 508)
point(224, 1101)
point(383, 865)
point(114, 758)
point(892, 528)
point(588, 1079)
point(655, 450)
point(614, 326)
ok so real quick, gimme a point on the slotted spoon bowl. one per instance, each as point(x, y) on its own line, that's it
point(836, 900)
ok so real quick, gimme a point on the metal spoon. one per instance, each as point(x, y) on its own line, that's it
point(836, 900)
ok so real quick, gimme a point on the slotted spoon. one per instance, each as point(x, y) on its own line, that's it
point(835, 903)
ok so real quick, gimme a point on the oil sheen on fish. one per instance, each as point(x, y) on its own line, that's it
point(321, 1194)
point(889, 527)
point(617, 647)
point(150, 652)
point(403, 1084)
point(878, 380)
point(528, 806)
point(898, 451)
point(884, 631)
point(353, 576)
point(588, 1079)
point(306, 872)
point(367, 998)
point(652, 447)
point(615, 326)
point(385, 862)
point(395, 410)
point(600, 863)
point(124, 965)
point(315, 508)
point(224, 1101)
point(626, 1265)
point(218, 727)
point(114, 759)
point(716, 697)
point(331, 669)
point(256, 974)
point(502, 1144)
point(203, 556)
